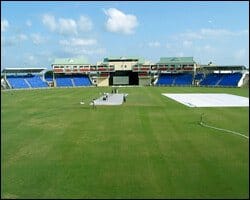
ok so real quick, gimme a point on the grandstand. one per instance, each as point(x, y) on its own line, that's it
point(72, 80)
point(24, 78)
point(180, 79)
point(166, 79)
point(215, 79)
point(169, 71)
point(176, 71)
point(71, 72)
point(222, 76)
point(81, 80)
point(230, 79)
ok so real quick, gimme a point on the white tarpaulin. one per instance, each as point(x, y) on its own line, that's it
point(110, 99)
point(209, 99)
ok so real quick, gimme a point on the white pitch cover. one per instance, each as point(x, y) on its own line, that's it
point(209, 99)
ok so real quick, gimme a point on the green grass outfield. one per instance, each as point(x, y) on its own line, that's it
point(150, 147)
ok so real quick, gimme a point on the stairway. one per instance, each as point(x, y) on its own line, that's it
point(27, 83)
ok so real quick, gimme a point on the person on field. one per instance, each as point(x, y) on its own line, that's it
point(93, 104)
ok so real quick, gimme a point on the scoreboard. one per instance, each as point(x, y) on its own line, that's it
point(120, 80)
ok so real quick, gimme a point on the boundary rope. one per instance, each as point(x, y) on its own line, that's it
point(221, 129)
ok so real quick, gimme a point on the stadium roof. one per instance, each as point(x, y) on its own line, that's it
point(224, 67)
point(22, 70)
point(174, 60)
point(124, 58)
point(70, 61)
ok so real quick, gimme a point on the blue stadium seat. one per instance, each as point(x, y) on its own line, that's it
point(175, 79)
point(230, 79)
point(199, 76)
point(26, 81)
point(36, 82)
point(81, 81)
point(211, 79)
point(73, 80)
point(49, 79)
point(64, 81)
point(17, 82)
point(165, 79)
point(183, 79)
point(222, 79)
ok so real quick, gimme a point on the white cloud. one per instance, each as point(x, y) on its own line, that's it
point(78, 42)
point(208, 47)
point(37, 38)
point(207, 50)
point(84, 24)
point(31, 58)
point(243, 32)
point(189, 36)
point(96, 51)
point(240, 54)
point(206, 33)
point(67, 26)
point(187, 43)
point(49, 21)
point(154, 44)
point(13, 40)
point(76, 51)
point(28, 23)
point(7, 42)
point(37, 58)
point(81, 46)
point(4, 25)
point(168, 46)
point(180, 54)
point(222, 32)
point(120, 22)
point(22, 37)
point(215, 32)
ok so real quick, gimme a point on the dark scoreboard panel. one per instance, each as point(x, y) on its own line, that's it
point(120, 80)
point(123, 78)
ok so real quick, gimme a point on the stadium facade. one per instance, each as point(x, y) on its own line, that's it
point(168, 71)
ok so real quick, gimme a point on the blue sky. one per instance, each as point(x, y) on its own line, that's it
point(33, 34)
